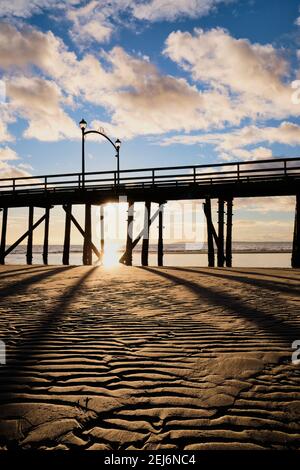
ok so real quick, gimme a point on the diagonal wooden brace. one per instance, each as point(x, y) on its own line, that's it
point(80, 229)
point(212, 228)
point(140, 236)
point(29, 231)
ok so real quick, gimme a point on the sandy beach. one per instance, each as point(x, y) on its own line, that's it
point(149, 358)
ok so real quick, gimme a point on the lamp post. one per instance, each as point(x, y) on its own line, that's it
point(116, 146)
point(82, 125)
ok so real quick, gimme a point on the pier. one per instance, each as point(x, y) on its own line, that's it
point(222, 182)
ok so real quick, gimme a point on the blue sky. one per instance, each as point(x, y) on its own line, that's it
point(179, 82)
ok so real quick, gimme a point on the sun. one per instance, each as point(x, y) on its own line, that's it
point(111, 255)
point(113, 230)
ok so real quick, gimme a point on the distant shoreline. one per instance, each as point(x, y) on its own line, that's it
point(204, 252)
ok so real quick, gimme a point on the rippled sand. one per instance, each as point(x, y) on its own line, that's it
point(132, 358)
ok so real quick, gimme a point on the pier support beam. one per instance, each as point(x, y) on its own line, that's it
point(129, 240)
point(160, 245)
point(81, 231)
point(87, 243)
point(145, 244)
point(30, 235)
point(139, 237)
point(296, 241)
point(221, 257)
point(102, 230)
point(229, 234)
point(46, 236)
point(210, 239)
point(67, 239)
point(24, 236)
point(3, 236)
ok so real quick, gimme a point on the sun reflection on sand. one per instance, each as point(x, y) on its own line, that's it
point(111, 255)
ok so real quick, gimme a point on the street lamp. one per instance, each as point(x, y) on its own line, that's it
point(116, 146)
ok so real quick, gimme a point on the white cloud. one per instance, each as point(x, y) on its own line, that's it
point(91, 22)
point(97, 20)
point(155, 10)
point(260, 231)
point(6, 153)
point(25, 8)
point(6, 169)
point(266, 204)
point(38, 101)
point(254, 74)
point(139, 98)
point(10, 171)
point(4, 134)
point(232, 144)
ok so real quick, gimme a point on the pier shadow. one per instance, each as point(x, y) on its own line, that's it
point(21, 286)
point(264, 274)
point(36, 339)
point(263, 284)
point(286, 331)
point(19, 272)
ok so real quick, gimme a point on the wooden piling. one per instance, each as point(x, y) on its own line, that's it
point(101, 230)
point(67, 238)
point(30, 236)
point(210, 239)
point(129, 239)
point(3, 235)
point(46, 236)
point(160, 245)
point(221, 257)
point(145, 244)
point(87, 244)
point(296, 241)
point(229, 234)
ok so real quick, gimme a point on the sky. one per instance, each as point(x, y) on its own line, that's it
point(180, 82)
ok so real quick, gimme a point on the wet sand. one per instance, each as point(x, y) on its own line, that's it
point(153, 358)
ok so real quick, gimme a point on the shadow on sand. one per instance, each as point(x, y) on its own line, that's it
point(36, 339)
point(286, 331)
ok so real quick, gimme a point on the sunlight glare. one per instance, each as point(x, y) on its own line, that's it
point(111, 255)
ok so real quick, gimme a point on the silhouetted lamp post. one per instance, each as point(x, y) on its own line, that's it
point(116, 146)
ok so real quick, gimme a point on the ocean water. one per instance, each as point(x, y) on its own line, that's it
point(245, 254)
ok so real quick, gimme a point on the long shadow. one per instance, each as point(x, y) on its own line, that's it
point(19, 272)
point(5, 269)
point(286, 331)
point(37, 337)
point(19, 287)
point(255, 273)
point(264, 284)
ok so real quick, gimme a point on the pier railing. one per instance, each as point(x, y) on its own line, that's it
point(159, 177)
